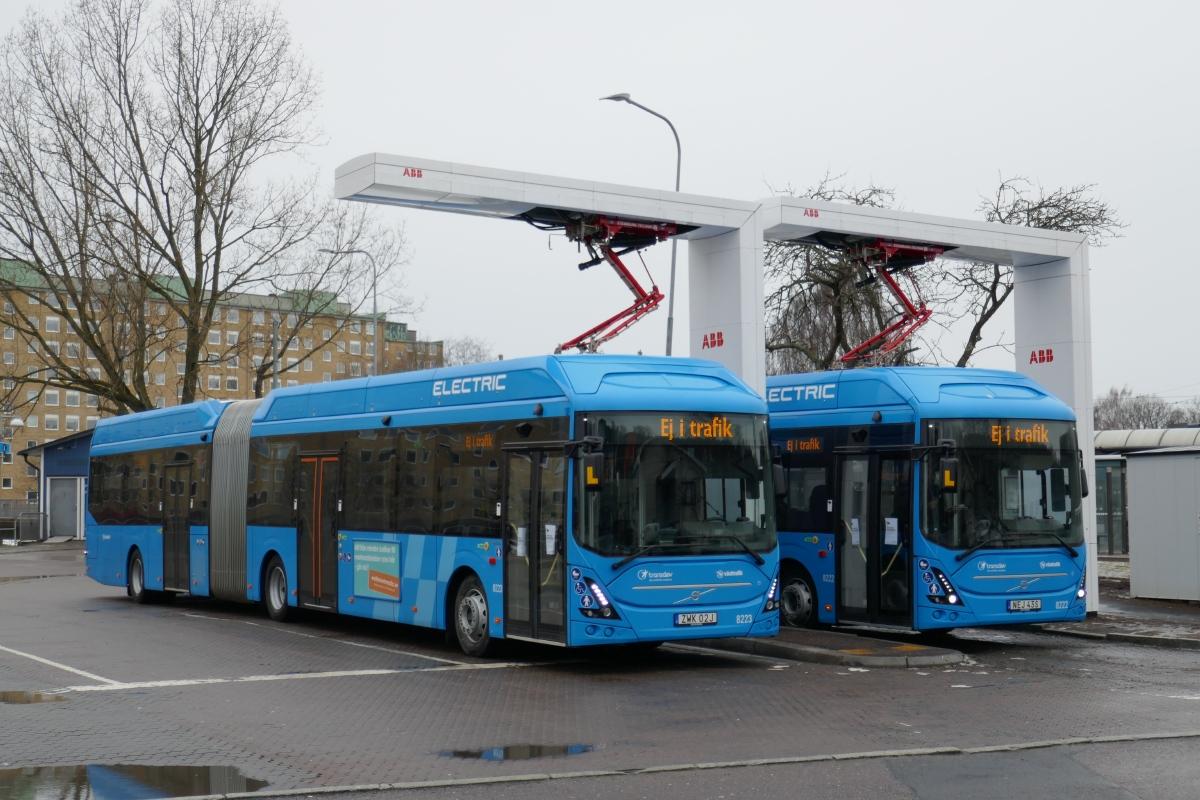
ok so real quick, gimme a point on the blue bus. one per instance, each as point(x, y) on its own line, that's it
point(569, 500)
point(927, 498)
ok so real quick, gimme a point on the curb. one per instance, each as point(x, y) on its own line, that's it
point(1167, 642)
point(40, 547)
point(774, 648)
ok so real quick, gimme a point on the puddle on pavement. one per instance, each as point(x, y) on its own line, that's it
point(122, 781)
point(24, 698)
point(520, 752)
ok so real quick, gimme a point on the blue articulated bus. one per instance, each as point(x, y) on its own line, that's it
point(927, 498)
point(571, 500)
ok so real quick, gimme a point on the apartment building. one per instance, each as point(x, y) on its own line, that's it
point(246, 330)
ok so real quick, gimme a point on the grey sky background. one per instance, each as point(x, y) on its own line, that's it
point(935, 100)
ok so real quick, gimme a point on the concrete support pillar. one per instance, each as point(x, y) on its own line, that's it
point(1052, 307)
point(725, 301)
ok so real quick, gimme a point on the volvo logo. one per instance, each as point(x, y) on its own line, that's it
point(1024, 583)
point(693, 596)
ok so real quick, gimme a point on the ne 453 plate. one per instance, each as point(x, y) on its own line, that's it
point(1030, 604)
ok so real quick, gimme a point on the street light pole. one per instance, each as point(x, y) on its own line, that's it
point(625, 98)
point(374, 298)
point(275, 353)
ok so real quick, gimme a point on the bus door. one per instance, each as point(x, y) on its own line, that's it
point(318, 508)
point(176, 545)
point(534, 550)
point(874, 538)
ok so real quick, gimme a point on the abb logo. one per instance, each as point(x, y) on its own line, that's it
point(1041, 356)
point(811, 212)
point(713, 340)
point(413, 172)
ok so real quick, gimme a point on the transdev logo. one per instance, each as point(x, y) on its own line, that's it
point(1049, 564)
point(729, 573)
point(991, 566)
point(471, 385)
point(648, 575)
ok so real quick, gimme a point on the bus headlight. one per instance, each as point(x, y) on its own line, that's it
point(603, 608)
point(1081, 592)
point(771, 602)
point(949, 595)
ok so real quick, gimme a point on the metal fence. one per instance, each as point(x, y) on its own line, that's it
point(21, 521)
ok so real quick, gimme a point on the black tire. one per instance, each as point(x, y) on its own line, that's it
point(471, 617)
point(275, 591)
point(135, 580)
point(797, 601)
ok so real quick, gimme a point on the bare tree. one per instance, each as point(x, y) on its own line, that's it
point(817, 305)
point(466, 350)
point(1121, 409)
point(976, 291)
point(323, 285)
point(133, 140)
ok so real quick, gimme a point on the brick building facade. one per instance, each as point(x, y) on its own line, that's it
point(244, 331)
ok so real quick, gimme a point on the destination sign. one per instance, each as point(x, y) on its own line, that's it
point(716, 428)
point(476, 441)
point(1009, 435)
point(812, 444)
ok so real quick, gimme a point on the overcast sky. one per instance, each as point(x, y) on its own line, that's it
point(936, 100)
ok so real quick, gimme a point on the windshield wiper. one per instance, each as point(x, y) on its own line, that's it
point(643, 550)
point(1074, 553)
point(737, 540)
point(997, 537)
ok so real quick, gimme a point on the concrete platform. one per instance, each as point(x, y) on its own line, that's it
point(1134, 620)
point(841, 647)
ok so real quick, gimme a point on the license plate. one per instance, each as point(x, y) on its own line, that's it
point(1025, 605)
point(697, 618)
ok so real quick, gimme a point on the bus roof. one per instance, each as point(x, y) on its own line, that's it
point(931, 392)
point(476, 392)
point(507, 388)
point(161, 427)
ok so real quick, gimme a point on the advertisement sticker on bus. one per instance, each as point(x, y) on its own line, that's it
point(377, 570)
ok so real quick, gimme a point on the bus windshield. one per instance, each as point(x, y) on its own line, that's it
point(683, 483)
point(1018, 485)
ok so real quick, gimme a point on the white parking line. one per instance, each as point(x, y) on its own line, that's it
point(57, 665)
point(113, 686)
point(348, 642)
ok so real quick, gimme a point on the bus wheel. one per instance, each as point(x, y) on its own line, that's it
point(135, 581)
point(471, 617)
point(275, 591)
point(798, 601)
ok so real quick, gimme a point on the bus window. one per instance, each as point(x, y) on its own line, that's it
point(1018, 486)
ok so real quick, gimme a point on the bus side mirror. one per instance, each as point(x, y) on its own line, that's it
point(1083, 478)
point(593, 468)
point(1058, 490)
point(779, 476)
point(946, 478)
